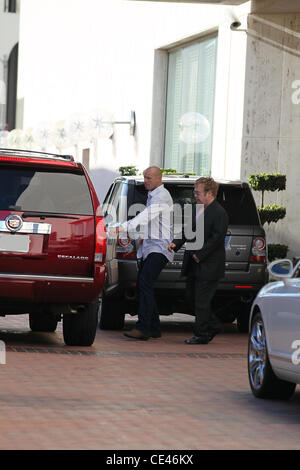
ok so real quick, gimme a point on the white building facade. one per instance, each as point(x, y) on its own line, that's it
point(206, 98)
point(162, 61)
point(9, 37)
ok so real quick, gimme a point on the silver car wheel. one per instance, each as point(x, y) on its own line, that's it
point(257, 354)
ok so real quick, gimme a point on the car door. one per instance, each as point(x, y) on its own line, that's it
point(110, 219)
point(112, 210)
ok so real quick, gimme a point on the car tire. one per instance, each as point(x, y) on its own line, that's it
point(263, 382)
point(111, 314)
point(79, 329)
point(43, 322)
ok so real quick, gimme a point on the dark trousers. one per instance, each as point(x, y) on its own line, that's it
point(149, 271)
point(199, 295)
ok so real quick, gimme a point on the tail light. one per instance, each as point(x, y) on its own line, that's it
point(100, 245)
point(125, 249)
point(258, 252)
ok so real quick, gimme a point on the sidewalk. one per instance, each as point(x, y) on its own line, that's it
point(126, 394)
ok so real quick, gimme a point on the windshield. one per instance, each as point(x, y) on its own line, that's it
point(42, 190)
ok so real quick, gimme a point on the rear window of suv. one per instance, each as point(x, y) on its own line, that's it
point(236, 200)
point(41, 190)
point(239, 204)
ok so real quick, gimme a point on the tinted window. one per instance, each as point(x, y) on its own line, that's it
point(140, 194)
point(115, 203)
point(181, 194)
point(115, 200)
point(237, 201)
point(108, 195)
point(239, 204)
point(44, 191)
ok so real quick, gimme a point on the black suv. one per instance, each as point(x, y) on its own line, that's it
point(246, 254)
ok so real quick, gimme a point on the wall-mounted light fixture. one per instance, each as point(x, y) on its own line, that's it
point(80, 127)
point(132, 123)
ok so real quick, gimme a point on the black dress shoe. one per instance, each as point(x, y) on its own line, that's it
point(197, 340)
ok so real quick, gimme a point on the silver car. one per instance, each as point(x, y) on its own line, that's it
point(274, 338)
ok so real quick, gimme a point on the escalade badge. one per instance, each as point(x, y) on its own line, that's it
point(14, 223)
point(77, 258)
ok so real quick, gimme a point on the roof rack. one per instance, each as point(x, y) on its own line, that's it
point(34, 154)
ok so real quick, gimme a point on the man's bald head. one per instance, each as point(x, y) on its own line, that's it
point(152, 177)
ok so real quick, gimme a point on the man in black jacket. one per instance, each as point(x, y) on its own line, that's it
point(205, 266)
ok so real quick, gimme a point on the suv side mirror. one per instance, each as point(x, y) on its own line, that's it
point(282, 268)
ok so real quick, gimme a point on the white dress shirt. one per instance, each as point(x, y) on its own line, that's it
point(156, 224)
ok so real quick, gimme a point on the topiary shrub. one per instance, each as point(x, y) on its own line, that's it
point(272, 212)
point(129, 170)
point(277, 251)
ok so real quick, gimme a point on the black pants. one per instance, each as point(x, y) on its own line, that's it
point(149, 271)
point(199, 295)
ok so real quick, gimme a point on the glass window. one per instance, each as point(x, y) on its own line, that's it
point(236, 200)
point(114, 202)
point(140, 194)
point(107, 197)
point(239, 205)
point(40, 190)
point(190, 105)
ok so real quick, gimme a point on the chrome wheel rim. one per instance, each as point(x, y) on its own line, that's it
point(257, 354)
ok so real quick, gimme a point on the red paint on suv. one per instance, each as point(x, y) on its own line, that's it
point(52, 243)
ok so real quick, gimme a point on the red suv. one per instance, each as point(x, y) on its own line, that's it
point(52, 244)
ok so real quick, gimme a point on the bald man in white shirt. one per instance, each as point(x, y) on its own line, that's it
point(156, 218)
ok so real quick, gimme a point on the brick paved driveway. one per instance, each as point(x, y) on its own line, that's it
point(124, 394)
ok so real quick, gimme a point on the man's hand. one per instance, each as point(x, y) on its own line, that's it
point(114, 231)
point(171, 247)
point(195, 258)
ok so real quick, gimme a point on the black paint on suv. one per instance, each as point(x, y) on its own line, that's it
point(246, 254)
